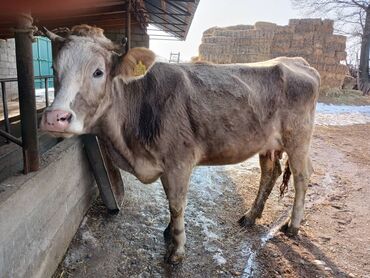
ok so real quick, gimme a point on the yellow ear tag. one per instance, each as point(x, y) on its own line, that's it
point(140, 69)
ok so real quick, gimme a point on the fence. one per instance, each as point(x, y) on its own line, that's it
point(7, 133)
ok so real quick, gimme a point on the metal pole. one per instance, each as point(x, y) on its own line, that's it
point(10, 137)
point(46, 92)
point(26, 89)
point(5, 109)
point(128, 26)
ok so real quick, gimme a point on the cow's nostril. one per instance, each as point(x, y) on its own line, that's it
point(57, 120)
point(67, 118)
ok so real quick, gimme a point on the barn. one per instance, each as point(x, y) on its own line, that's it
point(47, 184)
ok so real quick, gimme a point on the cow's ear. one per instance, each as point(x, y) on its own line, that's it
point(136, 62)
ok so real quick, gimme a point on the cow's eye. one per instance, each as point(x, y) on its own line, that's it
point(98, 73)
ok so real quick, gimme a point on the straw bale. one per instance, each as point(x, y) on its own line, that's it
point(261, 25)
point(312, 39)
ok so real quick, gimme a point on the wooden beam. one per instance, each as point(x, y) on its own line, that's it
point(26, 89)
point(128, 26)
point(88, 12)
point(114, 21)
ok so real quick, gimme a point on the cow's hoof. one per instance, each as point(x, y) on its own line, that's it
point(175, 257)
point(246, 221)
point(167, 234)
point(289, 230)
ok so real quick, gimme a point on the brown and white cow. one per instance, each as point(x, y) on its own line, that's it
point(177, 116)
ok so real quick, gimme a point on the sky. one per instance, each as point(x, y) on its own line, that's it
point(223, 13)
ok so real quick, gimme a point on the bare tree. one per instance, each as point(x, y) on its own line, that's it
point(353, 19)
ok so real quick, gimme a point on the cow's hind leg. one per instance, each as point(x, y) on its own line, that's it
point(301, 168)
point(270, 171)
point(176, 185)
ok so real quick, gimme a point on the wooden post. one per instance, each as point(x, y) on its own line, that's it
point(26, 89)
point(128, 26)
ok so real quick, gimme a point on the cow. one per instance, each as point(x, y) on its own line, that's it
point(173, 117)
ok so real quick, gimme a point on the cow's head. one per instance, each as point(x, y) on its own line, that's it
point(85, 66)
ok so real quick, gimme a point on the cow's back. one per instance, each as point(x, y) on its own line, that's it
point(224, 107)
point(229, 111)
point(263, 87)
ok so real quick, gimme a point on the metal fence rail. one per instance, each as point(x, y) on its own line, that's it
point(7, 133)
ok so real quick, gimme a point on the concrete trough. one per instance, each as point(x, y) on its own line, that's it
point(40, 212)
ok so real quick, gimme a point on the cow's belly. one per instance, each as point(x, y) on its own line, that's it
point(232, 155)
point(225, 158)
point(236, 151)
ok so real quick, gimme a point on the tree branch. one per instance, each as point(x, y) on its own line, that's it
point(359, 5)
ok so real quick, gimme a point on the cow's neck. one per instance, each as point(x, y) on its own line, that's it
point(119, 130)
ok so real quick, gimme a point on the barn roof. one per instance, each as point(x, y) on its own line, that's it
point(172, 16)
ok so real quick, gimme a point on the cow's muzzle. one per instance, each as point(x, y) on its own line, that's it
point(55, 121)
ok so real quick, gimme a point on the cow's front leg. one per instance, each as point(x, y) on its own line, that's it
point(175, 184)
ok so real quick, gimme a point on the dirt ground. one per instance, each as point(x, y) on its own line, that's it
point(334, 240)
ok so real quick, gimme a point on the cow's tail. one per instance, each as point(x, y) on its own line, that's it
point(286, 177)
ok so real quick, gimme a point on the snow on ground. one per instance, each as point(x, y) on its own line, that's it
point(329, 114)
point(40, 95)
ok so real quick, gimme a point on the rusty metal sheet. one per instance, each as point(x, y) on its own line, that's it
point(107, 175)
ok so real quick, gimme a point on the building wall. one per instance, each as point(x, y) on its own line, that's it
point(8, 68)
point(312, 39)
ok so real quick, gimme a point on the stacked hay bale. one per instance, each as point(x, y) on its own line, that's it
point(312, 39)
point(236, 44)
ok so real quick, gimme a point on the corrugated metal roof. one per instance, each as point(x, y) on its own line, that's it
point(171, 16)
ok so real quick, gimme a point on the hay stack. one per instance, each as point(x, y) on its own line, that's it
point(312, 39)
